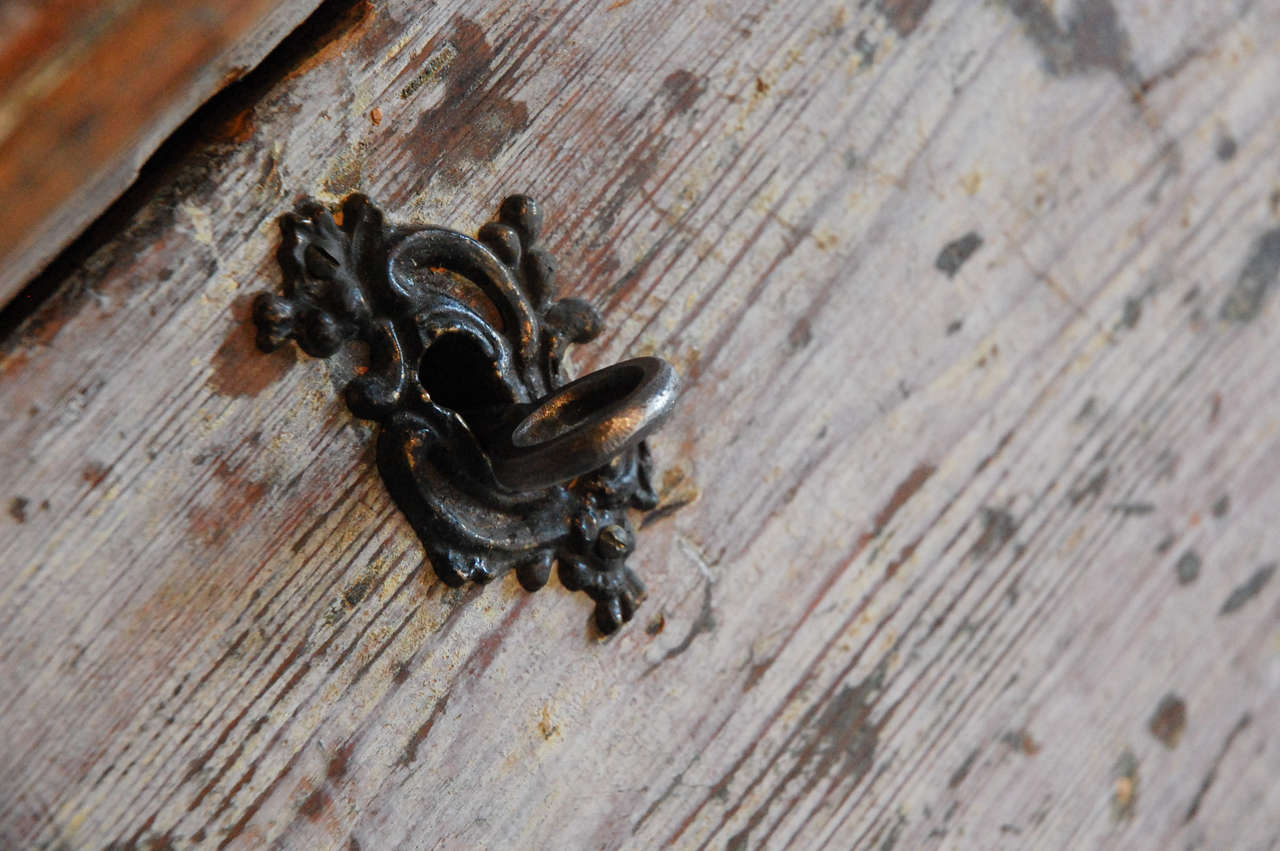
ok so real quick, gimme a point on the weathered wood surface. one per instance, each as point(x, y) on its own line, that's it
point(88, 90)
point(979, 545)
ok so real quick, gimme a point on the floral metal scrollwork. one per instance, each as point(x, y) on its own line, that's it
point(497, 462)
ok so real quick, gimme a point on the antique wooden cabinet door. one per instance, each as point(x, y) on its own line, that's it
point(967, 527)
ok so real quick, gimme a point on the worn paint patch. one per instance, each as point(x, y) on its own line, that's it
point(314, 805)
point(1257, 279)
point(346, 171)
point(1249, 589)
point(1091, 39)
point(474, 119)
point(233, 503)
point(844, 736)
point(1169, 720)
point(903, 15)
point(239, 367)
point(954, 254)
point(436, 65)
point(682, 89)
point(839, 740)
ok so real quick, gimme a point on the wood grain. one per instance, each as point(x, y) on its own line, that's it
point(88, 90)
point(978, 452)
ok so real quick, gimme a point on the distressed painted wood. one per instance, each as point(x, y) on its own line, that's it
point(88, 90)
point(969, 535)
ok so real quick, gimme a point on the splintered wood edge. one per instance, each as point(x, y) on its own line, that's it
point(43, 216)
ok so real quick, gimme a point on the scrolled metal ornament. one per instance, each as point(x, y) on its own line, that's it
point(495, 459)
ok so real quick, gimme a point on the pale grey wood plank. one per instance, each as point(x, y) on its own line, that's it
point(935, 584)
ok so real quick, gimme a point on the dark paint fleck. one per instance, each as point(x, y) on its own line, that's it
point(895, 832)
point(315, 804)
point(1090, 489)
point(1132, 313)
point(1226, 148)
point(954, 326)
point(1212, 774)
point(420, 735)
point(1260, 273)
point(656, 624)
point(1187, 567)
point(801, 334)
point(1124, 795)
point(95, 473)
point(339, 762)
point(1169, 720)
point(662, 512)
point(1092, 39)
point(866, 48)
point(357, 591)
point(958, 776)
point(901, 495)
point(401, 673)
point(1166, 544)
point(1021, 741)
point(1222, 506)
point(904, 15)
point(891, 570)
point(954, 254)
point(1133, 509)
point(18, 508)
point(998, 527)
point(1249, 589)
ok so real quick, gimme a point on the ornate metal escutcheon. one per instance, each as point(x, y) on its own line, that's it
point(497, 462)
